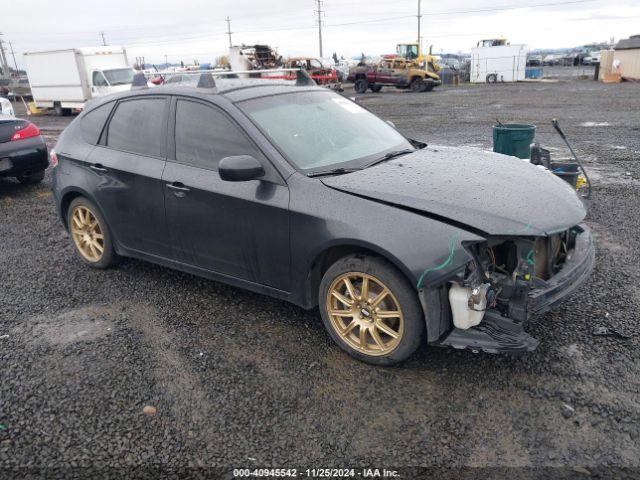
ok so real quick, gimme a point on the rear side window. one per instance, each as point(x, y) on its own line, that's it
point(93, 122)
point(137, 127)
point(205, 135)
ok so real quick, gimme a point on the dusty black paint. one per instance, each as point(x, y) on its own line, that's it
point(271, 234)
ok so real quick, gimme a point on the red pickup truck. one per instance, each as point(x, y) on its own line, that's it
point(395, 72)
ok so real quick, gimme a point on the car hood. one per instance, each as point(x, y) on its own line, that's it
point(488, 192)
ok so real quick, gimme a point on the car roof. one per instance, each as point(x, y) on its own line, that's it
point(234, 90)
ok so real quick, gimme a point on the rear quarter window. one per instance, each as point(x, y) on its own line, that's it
point(93, 122)
point(137, 126)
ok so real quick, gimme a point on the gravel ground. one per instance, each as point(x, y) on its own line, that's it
point(242, 380)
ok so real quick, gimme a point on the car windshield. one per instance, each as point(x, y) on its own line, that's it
point(317, 131)
point(119, 76)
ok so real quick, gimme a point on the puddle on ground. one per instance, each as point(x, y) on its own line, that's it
point(595, 124)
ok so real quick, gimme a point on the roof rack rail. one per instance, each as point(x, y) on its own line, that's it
point(207, 80)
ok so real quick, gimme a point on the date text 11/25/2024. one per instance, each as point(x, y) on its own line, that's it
point(316, 473)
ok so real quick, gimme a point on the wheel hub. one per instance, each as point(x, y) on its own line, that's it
point(87, 233)
point(365, 313)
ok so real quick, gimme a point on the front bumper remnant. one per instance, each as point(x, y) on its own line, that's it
point(500, 334)
point(546, 294)
point(496, 334)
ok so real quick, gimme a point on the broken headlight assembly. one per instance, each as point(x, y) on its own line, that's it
point(501, 274)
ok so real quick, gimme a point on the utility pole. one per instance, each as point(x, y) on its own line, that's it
point(319, 12)
point(14, 57)
point(104, 42)
point(3, 60)
point(419, 21)
point(228, 20)
point(166, 62)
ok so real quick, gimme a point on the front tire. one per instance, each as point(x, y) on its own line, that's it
point(417, 85)
point(428, 86)
point(90, 234)
point(370, 310)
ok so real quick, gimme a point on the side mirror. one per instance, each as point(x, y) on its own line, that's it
point(240, 168)
point(391, 123)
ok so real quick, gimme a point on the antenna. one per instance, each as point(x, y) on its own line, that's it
point(303, 79)
point(206, 81)
point(139, 82)
point(104, 41)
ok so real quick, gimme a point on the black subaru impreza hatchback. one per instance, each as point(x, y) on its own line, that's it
point(297, 192)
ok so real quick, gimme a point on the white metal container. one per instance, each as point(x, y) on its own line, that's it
point(504, 63)
point(69, 78)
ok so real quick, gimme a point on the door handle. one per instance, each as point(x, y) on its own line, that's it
point(98, 168)
point(178, 189)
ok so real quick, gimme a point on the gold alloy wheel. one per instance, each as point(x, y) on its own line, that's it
point(365, 313)
point(87, 233)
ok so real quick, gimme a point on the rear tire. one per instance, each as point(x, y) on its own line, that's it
point(361, 85)
point(31, 177)
point(492, 78)
point(90, 235)
point(393, 322)
point(61, 112)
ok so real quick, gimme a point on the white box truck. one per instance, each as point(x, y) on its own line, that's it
point(497, 61)
point(67, 79)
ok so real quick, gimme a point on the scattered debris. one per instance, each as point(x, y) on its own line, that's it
point(2, 337)
point(3, 426)
point(567, 410)
point(582, 470)
point(604, 331)
point(149, 410)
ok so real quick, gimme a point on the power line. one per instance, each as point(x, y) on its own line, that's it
point(177, 38)
point(357, 22)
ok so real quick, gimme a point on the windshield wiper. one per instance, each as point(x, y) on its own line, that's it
point(389, 156)
point(334, 171)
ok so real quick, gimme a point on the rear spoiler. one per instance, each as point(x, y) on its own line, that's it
point(206, 77)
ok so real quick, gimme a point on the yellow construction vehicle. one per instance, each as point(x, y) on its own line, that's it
point(413, 52)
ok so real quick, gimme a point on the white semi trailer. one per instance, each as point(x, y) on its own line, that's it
point(497, 61)
point(67, 79)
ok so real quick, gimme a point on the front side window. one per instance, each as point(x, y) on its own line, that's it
point(137, 127)
point(205, 135)
point(99, 80)
point(92, 122)
point(315, 130)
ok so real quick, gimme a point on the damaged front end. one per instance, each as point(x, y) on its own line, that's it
point(487, 302)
